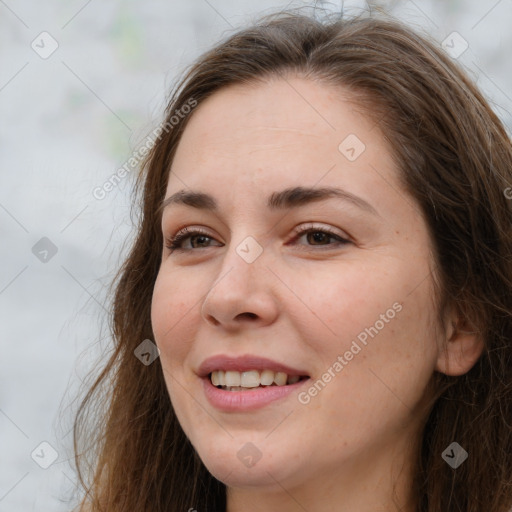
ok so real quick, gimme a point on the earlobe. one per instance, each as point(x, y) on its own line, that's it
point(461, 350)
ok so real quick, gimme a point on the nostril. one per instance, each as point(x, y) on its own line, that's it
point(248, 315)
point(213, 320)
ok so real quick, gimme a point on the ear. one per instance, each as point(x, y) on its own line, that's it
point(462, 348)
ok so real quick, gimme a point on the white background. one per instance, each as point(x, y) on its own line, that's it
point(67, 123)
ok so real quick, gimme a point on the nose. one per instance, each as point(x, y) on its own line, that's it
point(242, 295)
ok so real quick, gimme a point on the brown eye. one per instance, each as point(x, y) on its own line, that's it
point(175, 243)
point(316, 236)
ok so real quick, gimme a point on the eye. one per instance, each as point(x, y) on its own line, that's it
point(175, 243)
point(320, 237)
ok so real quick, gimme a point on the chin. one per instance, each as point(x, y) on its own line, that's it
point(239, 464)
point(244, 478)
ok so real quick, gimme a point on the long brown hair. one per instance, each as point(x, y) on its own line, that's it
point(455, 160)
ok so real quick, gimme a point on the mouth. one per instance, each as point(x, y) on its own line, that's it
point(248, 382)
point(231, 380)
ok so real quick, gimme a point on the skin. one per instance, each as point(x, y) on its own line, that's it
point(302, 302)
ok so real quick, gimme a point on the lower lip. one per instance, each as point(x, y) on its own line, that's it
point(230, 401)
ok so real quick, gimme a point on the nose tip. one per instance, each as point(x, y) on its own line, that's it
point(242, 297)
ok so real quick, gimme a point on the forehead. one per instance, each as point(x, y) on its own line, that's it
point(282, 109)
point(284, 132)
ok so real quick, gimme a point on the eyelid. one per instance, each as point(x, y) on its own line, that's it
point(302, 229)
point(185, 233)
point(172, 242)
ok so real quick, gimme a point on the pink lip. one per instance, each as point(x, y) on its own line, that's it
point(238, 401)
point(244, 364)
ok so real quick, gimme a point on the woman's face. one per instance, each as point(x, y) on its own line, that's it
point(346, 307)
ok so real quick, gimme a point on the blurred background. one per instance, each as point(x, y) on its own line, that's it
point(82, 83)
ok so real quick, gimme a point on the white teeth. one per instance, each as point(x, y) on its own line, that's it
point(267, 377)
point(280, 378)
point(236, 381)
point(250, 379)
point(232, 378)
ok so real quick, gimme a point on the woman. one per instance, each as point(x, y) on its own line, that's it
point(323, 261)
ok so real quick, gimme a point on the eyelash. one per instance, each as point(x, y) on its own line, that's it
point(173, 243)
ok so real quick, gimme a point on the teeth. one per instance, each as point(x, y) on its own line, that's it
point(280, 378)
point(250, 379)
point(232, 379)
point(236, 381)
point(267, 377)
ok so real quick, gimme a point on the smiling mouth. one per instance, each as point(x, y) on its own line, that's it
point(231, 380)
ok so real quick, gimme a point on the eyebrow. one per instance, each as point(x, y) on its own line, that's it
point(294, 197)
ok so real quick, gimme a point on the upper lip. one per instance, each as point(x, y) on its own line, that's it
point(243, 364)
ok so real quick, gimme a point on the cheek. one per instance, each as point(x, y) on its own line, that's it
point(339, 304)
point(380, 317)
point(170, 310)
